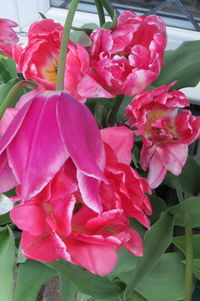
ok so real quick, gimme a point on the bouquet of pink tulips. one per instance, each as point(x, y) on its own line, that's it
point(97, 187)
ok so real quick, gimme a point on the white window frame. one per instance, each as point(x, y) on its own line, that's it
point(24, 12)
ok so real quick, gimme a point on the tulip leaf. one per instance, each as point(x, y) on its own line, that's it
point(5, 219)
point(67, 288)
point(185, 182)
point(196, 267)
point(160, 232)
point(7, 68)
point(7, 263)
point(31, 276)
point(168, 275)
point(100, 288)
point(179, 242)
point(82, 297)
point(192, 207)
point(80, 37)
point(158, 206)
point(181, 65)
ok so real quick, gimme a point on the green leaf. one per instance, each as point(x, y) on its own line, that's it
point(173, 182)
point(136, 297)
point(189, 178)
point(42, 15)
point(100, 288)
point(182, 65)
point(5, 219)
point(30, 278)
point(126, 262)
point(80, 37)
point(82, 297)
point(7, 263)
point(165, 281)
point(67, 288)
point(158, 206)
point(179, 242)
point(7, 68)
point(192, 207)
point(160, 232)
point(196, 267)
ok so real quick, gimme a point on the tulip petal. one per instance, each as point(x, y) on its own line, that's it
point(95, 258)
point(157, 171)
point(33, 162)
point(89, 188)
point(81, 136)
point(6, 174)
point(120, 139)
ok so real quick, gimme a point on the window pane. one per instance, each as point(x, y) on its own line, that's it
point(183, 14)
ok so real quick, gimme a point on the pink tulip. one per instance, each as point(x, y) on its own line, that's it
point(48, 130)
point(166, 132)
point(124, 60)
point(8, 37)
point(56, 223)
point(126, 189)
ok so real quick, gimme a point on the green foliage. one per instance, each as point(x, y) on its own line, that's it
point(192, 207)
point(100, 288)
point(7, 263)
point(7, 68)
point(67, 288)
point(152, 250)
point(181, 65)
point(179, 242)
point(30, 278)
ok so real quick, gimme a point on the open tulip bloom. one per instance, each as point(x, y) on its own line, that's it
point(87, 164)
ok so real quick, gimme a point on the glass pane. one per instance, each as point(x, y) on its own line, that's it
point(183, 14)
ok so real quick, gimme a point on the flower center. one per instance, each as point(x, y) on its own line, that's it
point(50, 71)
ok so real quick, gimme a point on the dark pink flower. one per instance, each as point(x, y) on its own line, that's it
point(45, 132)
point(124, 60)
point(8, 37)
point(165, 131)
point(56, 223)
point(38, 60)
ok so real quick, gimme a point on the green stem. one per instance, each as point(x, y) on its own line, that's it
point(8, 100)
point(188, 258)
point(112, 118)
point(108, 7)
point(64, 44)
point(100, 12)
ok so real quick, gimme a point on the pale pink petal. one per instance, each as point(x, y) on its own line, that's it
point(157, 171)
point(89, 188)
point(120, 139)
point(8, 116)
point(134, 245)
point(173, 156)
point(8, 180)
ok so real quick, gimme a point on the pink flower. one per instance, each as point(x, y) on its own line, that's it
point(48, 130)
point(126, 189)
point(56, 223)
point(124, 60)
point(8, 37)
point(166, 132)
point(39, 59)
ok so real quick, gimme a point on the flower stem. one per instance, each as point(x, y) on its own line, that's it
point(8, 100)
point(100, 12)
point(64, 44)
point(188, 258)
point(108, 7)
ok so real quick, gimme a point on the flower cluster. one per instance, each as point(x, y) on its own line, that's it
point(75, 187)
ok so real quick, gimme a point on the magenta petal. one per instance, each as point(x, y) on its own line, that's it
point(8, 179)
point(89, 188)
point(39, 247)
point(157, 171)
point(95, 258)
point(81, 136)
point(37, 151)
